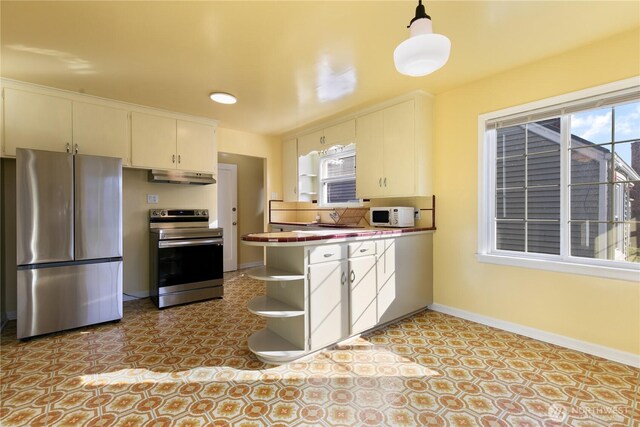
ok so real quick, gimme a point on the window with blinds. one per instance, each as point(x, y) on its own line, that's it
point(564, 181)
point(338, 177)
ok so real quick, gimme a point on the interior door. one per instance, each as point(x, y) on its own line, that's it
point(228, 213)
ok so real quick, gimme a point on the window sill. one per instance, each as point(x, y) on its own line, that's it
point(631, 273)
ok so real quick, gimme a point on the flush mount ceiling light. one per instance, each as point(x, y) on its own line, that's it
point(223, 98)
point(423, 52)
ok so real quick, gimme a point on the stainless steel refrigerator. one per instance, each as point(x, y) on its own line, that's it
point(69, 240)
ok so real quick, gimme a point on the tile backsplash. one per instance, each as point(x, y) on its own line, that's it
point(309, 211)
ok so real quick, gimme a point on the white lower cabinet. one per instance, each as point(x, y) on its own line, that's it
point(328, 303)
point(318, 295)
point(362, 293)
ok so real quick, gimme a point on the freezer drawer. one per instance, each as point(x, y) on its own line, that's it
point(58, 298)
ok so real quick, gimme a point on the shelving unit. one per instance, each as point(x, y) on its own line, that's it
point(268, 307)
point(272, 348)
point(283, 306)
point(308, 176)
point(271, 274)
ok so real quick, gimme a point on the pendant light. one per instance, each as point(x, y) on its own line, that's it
point(423, 52)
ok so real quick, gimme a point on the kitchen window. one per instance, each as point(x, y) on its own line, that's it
point(560, 183)
point(338, 177)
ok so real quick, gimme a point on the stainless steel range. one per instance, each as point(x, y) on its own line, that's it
point(185, 257)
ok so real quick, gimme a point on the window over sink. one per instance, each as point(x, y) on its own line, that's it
point(337, 177)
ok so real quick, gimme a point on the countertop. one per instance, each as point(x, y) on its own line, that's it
point(316, 236)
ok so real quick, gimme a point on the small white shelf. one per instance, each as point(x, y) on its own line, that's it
point(308, 192)
point(269, 307)
point(310, 175)
point(271, 274)
point(272, 348)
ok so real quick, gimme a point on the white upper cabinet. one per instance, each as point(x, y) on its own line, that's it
point(196, 147)
point(36, 121)
point(393, 151)
point(341, 134)
point(153, 141)
point(101, 131)
point(166, 143)
point(290, 170)
point(56, 120)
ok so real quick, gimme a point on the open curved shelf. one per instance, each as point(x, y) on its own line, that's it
point(269, 307)
point(272, 348)
point(271, 274)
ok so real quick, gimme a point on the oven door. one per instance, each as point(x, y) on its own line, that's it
point(184, 264)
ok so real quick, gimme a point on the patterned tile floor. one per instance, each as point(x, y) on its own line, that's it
point(190, 366)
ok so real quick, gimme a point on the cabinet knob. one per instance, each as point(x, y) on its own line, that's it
point(234, 223)
point(353, 276)
point(385, 181)
point(68, 147)
point(363, 250)
point(380, 182)
point(173, 158)
point(328, 255)
point(179, 158)
point(76, 148)
point(343, 278)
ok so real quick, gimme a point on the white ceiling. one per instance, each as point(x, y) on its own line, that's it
point(289, 63)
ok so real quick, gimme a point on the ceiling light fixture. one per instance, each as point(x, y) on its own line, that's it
point(423, 52)
point(223, 98)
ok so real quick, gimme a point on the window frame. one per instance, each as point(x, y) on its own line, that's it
point(486, 250)
point(330, 154)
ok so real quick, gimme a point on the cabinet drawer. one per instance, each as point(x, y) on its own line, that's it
point(358, 249)
point(327, 253)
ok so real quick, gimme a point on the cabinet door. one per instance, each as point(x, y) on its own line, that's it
point(39, 122)
point(102, 131)
point(290, 170)
point(328, 303)
point(386, 272)
point(399, 150)
point(362, 295)
point(342, 134)
point(196, 144)
point(153, 141)
point(369, 156)
point(310, 142)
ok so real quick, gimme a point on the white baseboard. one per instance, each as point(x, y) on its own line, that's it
point(571, 343)
point(250, 265)
point(132, 296)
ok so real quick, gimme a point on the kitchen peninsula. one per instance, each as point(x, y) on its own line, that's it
point(324, 286)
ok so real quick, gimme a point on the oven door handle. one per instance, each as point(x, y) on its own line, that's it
point(188, 242)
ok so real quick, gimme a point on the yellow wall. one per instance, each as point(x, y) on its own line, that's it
point(596, 310)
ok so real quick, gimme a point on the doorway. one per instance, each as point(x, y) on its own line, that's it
point(249, 191)
point(228, 213)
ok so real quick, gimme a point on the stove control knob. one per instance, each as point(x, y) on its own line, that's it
point(163, 213)
point(204, 212)
point(154, 213)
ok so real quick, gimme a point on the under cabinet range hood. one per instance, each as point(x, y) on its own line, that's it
point(181, 177)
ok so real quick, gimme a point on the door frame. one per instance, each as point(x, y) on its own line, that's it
point(230, 234)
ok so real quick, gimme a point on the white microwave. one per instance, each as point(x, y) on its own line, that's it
point(397, 216)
